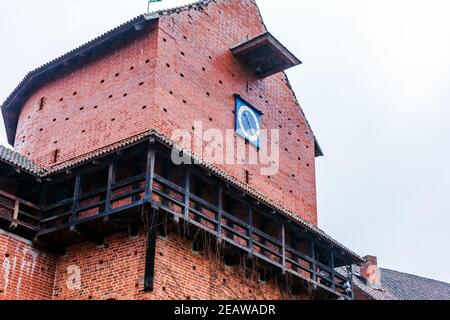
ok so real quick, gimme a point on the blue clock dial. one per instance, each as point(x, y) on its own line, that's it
point(248, 122)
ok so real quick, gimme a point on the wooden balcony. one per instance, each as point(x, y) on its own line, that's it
point(126, 190)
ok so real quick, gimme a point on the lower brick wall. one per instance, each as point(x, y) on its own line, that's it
point(116, 272)
point(26, 273)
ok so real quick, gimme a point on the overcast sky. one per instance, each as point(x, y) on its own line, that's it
point(375, 86)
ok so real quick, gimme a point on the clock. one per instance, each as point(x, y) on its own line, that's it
point(248, 121)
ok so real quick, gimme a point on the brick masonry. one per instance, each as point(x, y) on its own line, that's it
point(26, 273)
point(179, 71)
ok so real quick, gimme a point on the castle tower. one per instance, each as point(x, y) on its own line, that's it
point(94, 204)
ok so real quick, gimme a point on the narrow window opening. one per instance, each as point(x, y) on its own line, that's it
point(42, 102)
point(55, 155)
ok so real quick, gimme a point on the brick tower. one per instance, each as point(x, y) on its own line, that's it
point(92, 205)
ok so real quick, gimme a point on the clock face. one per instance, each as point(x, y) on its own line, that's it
point(248, 122)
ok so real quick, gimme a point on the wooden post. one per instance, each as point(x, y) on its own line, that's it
point(75, 204)
point(313, 257)
point(187, 191)
point(333, 278)
point(111, 181)
point(14, 224)
point(283, 241)
point(150, 254)
point(150, 171)
point(250, 228)
point(219, 211)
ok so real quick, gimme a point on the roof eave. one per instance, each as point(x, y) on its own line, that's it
point(12, 105)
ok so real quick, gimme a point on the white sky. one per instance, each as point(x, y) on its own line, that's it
point(375, 86)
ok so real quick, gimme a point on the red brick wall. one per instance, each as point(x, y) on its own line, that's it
point(194, 43)
point(117, 271)
point(26, 273)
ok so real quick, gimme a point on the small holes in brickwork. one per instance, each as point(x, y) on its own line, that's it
point(147, 61)
point(55, 142)
point(83, 131)
point(165, 110)
point(82, 108)
point(182, 75)
point(203, 69)
point(117, 74)
point(290, 133)
point(75, 93)
point(141, 83)
point(210, 58)
point(102, 81)
point(144, 107)
point(171, 92)
point(164, 39)
point(220, 81)
point(67, 119)
point(125, 94)
point(95, 107)
point(184, 37)
point(110, 96)
point(132, 68)
point(211, 119)
point(184, 101)
point(61, 99)
point(194, 268)
point(168, 65)
point(113, 119)
point(41, 129)
point(208, 94)
point(182, 53)
point(307, 147)
point(308, 165)
point(6, 255)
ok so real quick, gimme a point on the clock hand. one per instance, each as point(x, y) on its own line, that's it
point(249, 124)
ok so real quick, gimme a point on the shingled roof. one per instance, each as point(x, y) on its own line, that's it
point(20, 162)
point(39, 76)
point(397, 285)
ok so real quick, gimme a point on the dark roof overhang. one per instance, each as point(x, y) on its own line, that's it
point(264, 55)
point(37, 78)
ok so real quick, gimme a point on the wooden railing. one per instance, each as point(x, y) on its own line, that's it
point(19, 212)
point(177, 198)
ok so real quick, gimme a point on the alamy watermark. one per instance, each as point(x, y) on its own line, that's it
point(218, 147)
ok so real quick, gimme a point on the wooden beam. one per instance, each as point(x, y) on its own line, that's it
point(150, 171)
point(312, 254)
point(14, 225)
point(150, 254)
point(75, 202)
point(219, 212)
point(283, 240)
point(333, 272)
point(111, 181)
point(250, 228)
point(187, 191)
